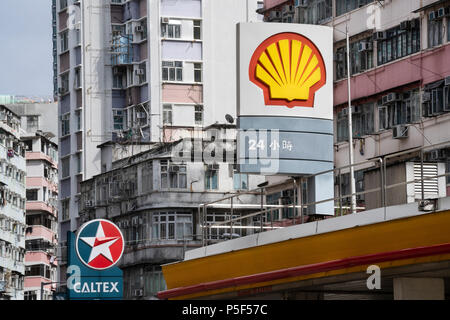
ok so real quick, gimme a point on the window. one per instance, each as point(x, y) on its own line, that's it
point(167, 114)
point(147, 176)
point(361, 58)
point(65, 167)
point(211, 176)
point(197, 72)
point(38, 270)
point(403, 109)
point(436, 99)
point(118, 119)
point(317, 12)
point(362, 121)
point(78, 163)
point(197, 29)
point(142, 73)
point(240, 181)
point(118, 81)
point(65, 209)
point(32, 195)
point(199, 115)
point(78, 120)
point(64, 44)
point(343, 6)
point(65, 124)
point(30, 295)
point(62, 4)
point(65, 82)
point(171, 30)
point(399, 42)
point(154, 280)
point(171, 226)
point(173, 176)
point(172, 71)
point(448, 29)
point(77, 79)
point(32, 122)
point(434, 32)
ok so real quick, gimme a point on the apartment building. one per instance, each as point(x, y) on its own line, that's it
point(135, 73)
point(154, 198)
point(39, 126)
point(12, 206)
point(400, 88)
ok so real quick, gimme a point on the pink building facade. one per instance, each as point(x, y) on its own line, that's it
point(41, 216)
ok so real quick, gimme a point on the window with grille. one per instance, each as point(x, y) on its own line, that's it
point(197, 29)
point(399, 43)
point(172, 71)
point(171, 226)
point(167, 114)
point(173, 176)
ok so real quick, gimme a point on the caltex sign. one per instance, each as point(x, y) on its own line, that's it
point(93, 254)
point(100, 244)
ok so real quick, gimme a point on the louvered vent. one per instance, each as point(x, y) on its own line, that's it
point(430, 186)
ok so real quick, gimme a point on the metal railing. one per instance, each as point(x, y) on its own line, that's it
point(266, 218)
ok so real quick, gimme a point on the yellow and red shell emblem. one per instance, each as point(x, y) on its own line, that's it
point(289, 69)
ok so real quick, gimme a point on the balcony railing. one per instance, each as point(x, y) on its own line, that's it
point(423, 185)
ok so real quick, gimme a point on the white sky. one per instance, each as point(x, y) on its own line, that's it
point(26, 61)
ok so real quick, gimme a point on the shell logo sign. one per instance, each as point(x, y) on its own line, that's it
point(289, 69)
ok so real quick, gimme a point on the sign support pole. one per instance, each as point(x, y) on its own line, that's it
point(350, 129)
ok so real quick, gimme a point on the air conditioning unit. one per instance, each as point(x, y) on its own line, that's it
point(379, 35)
point(364, 46)
point(140, 72)
point(164, 20)
point(139, 29)
point(138, 293)
point(400, 132)
point(89, 204)
point(405, 25)
point(390, 97)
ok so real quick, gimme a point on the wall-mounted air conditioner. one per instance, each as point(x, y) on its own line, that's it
point(379, 35)
point(164, 20)
point(89, 204)
point(400, 132)
point(140, 72)
point(365, 46)
point(391, 97)
point(139, 29)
